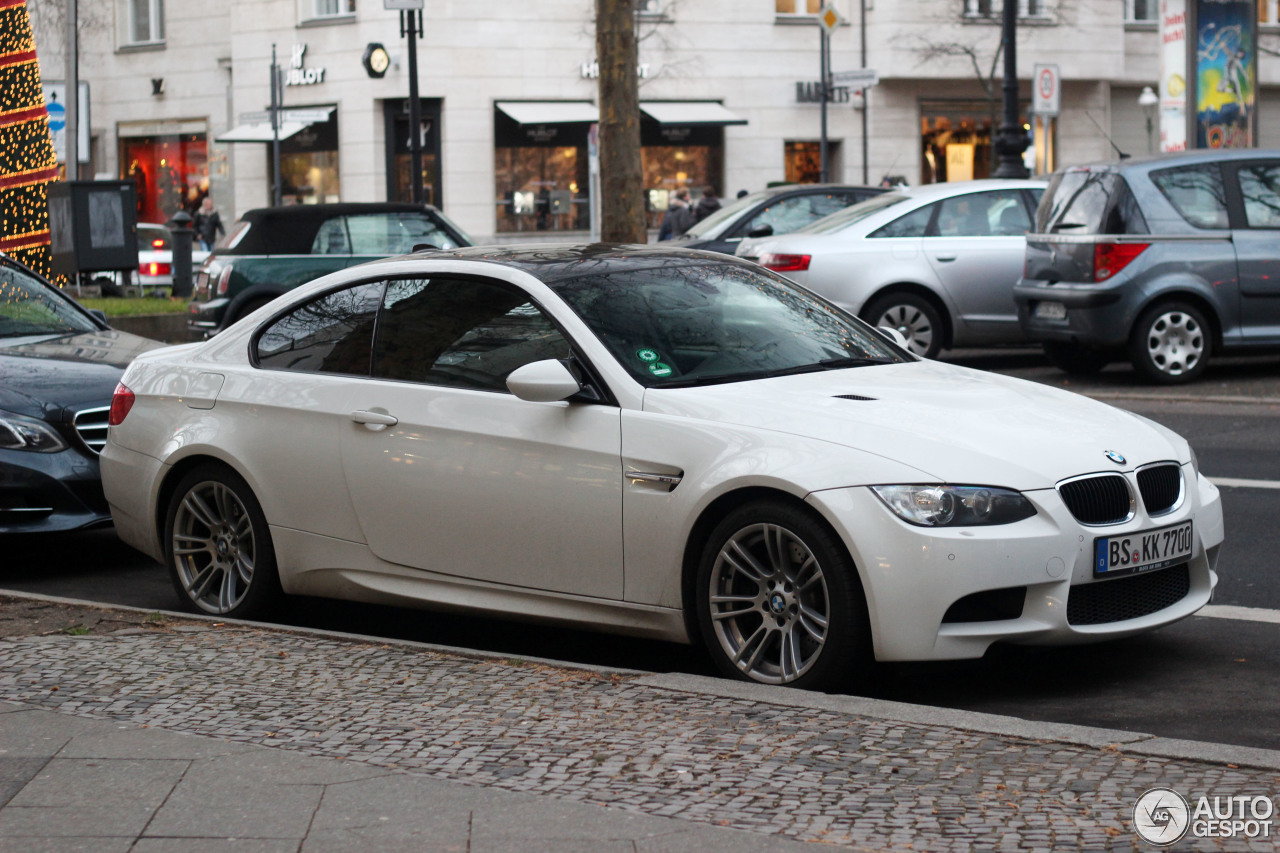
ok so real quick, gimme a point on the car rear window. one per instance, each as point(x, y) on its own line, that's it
point(1196, 192)
point(1089, 201)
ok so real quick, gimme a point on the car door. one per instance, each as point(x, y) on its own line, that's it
point(976, 248)
point(451, 473)
point(1255, 240)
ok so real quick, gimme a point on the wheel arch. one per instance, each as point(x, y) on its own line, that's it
point(916, 289)
point(1180, 294)
point(713, 514)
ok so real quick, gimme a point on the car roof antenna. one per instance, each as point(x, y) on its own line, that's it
point(1106, 136)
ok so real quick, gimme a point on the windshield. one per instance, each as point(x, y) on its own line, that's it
point(854, 213)
point(724, 215)
point(29, 307)
point(676, 324)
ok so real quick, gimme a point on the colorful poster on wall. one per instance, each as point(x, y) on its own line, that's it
point(1173, 75)
point(1226, 73)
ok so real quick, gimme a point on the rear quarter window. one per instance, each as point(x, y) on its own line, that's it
point(1196, 192)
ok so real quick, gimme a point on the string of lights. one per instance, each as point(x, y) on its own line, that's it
point(27, 161)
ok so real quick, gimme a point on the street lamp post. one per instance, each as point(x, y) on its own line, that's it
point(1148, 101)
point(1012, 140)
point(411, 28)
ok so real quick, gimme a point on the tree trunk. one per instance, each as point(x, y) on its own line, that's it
point(621, 182)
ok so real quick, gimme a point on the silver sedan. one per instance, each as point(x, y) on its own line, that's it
point(937, 262)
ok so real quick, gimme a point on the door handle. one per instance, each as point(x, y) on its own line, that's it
point(944, 258)
point(374, 420)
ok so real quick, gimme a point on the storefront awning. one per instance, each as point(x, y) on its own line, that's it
point(259, 132)
point(689, 113)
point(550, 112)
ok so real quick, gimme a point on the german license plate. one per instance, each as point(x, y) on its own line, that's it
point(1051, 310)
point(1144, 551)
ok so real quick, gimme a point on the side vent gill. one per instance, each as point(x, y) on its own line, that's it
point(855, 397)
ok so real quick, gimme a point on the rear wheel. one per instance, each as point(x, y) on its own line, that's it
point(913, 316)
point(218, 546)
point(779, 601)
point(1171, 343)
point(1075, 359)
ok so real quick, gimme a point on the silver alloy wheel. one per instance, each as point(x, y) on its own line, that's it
point(769, 603)
point(213, 547)
point(1175, 342)
point(913, 323)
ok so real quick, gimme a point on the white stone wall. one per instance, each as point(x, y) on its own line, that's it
point(217, 53)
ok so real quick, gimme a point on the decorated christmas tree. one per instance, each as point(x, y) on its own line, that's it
point(27, 162)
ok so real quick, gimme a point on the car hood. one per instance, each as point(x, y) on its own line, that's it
point(961, 426)
point(42, 374)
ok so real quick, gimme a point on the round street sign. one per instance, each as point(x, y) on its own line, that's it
point(57, 116)
point(1047, 90)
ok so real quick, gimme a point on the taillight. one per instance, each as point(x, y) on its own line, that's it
point(154, 268)
point(224, 278)
point(1110, 258)
point(157, 243)
point(121, 403)
point(784, 263)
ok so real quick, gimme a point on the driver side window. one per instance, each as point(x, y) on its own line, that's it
point(463, 333)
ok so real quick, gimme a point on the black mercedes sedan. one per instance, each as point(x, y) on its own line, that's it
point(59, 365)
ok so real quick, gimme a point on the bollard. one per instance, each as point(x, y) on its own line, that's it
point(183, 234)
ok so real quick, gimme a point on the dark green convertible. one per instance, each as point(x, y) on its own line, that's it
point(271, 250)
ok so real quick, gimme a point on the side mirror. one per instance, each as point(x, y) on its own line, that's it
point(98, 314)
point(761, 231)
point(895, 337)
point(547, 381)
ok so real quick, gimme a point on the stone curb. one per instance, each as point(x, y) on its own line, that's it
point(1133, 743)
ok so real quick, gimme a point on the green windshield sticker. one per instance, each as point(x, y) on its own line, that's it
point(659, 369)
point(647, 355)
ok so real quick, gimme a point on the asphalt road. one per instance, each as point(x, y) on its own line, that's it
point(1204, 678)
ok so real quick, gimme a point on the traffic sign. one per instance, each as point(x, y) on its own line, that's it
point(829, 18)
point(1046, 90)
point(858, 78)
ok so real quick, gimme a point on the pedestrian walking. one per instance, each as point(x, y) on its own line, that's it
point(679, 217)
point(208, 224)
point(707, 205)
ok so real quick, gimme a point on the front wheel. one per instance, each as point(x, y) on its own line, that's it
point(913, 316)
point(779, 601)
point(218, 546)
point(1171, 343)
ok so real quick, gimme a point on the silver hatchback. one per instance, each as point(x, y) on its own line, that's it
point(1161, 260)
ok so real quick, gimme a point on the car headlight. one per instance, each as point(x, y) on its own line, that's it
point(954, 506)
point(19, 433)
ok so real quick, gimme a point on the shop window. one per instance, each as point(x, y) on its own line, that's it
point(309, 164)
point(956, 140)
point(668, 168)
point(804, 162)
point(171, 173)
point(540, 176)
point(1269, 12)
point(399, 158)
point(799, 7)
point(142, 21)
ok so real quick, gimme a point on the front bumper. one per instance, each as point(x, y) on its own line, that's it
point(50, 492)
point(913, 576)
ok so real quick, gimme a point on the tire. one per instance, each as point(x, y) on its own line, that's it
point(779, 601)
point(1171, 343)
point(1075, 359)
point(914, 316)
point(248, 308)
point(218, 546)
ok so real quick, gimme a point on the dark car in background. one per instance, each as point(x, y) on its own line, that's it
point(1162, 260)
point(776, 210)
point(59, 365)
point(271, 250)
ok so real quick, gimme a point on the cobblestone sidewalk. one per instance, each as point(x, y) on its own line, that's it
point(612, 739)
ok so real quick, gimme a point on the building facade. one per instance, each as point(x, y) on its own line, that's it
point(508, 93)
